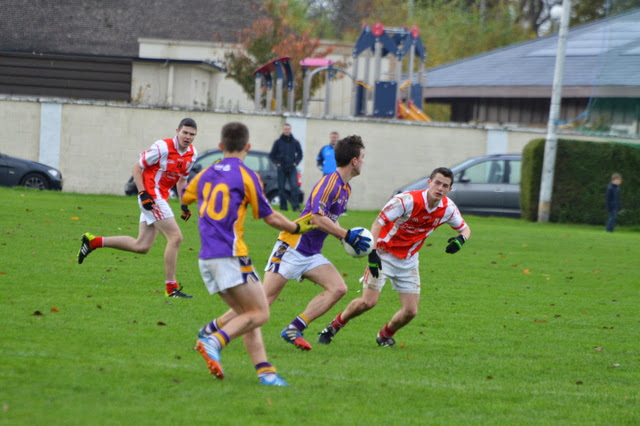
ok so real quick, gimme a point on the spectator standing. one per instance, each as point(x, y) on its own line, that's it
point(326, 159)
point(286, 154)
point(613, 200)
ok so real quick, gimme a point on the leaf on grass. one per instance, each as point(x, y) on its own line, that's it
point(537, 320)
point(3, 273)
point(28, 210)
point(565, 235)
point(177, 357)
point(615, 365)
point(161, 323)
point(578, 382)
point(596, 272)
point(515, 265)
point(37, 313)
point(54, 309)
point(177, 381)
point(98, 306)
point(489, 377)
point(525, 245)
point(494, 263)
point(526, 271)
point(345, 275)
point(75, 218)
point(269, 403)
point(557, 316)
point(598, 348)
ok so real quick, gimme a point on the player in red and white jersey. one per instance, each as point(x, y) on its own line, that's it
point(399, 232)
point(165, 164)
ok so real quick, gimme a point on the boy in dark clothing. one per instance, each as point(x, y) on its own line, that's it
point(286, 154)
point(613, 200)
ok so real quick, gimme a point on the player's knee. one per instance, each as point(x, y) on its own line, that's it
point(142, 248)
point(340, 290)
point(367, 304)
point(259, 318)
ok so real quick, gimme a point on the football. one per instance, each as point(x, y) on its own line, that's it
point(365, 233)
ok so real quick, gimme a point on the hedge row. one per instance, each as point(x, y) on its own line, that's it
point(582, 172)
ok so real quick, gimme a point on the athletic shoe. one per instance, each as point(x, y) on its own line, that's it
point(294, 336)
point(326, 335)
point(274, 381)
point(385, 341)
point(177, 292)
point(85, 247)
point(202, 333)
point(211, 355)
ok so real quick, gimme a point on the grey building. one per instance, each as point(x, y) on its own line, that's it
point(86, 49)
point(513, 84)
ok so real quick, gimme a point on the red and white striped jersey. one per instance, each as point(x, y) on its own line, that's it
point(163, 165)
point(407, 221)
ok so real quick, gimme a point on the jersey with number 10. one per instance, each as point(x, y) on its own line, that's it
point(223, 191)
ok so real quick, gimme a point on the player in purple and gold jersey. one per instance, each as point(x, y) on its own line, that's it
point(223, 191)
point(300, 256)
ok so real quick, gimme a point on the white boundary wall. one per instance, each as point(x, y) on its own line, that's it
point(98, 142)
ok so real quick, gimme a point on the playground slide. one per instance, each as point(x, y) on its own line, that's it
point(411, 113)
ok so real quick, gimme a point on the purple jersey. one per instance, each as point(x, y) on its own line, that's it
point(223, 191)
point(328, 198)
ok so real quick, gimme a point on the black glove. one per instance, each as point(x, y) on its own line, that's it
point(375, 265)
point(186, 213)
point(146, 200)
point(357, 241)
point(455, 244)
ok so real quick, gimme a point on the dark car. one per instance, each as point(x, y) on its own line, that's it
point(487, 185)
point(257, 161)
point(18, 172)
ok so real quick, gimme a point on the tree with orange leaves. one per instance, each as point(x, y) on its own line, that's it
point(271, 37)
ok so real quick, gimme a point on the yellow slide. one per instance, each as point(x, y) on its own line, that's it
point(411, 112)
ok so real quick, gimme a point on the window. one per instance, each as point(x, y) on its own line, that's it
point(485, 172)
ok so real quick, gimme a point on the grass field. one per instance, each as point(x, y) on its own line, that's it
point(529, 324)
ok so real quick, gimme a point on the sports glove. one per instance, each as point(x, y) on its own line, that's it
point(304, 224)
point(455, 244)
point(146, 200)
point(375, 265)
point(186, 213)
point(357, 241)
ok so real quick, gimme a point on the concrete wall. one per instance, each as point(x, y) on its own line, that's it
point(98, 143)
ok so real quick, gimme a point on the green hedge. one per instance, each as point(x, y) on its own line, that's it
point(582, 172)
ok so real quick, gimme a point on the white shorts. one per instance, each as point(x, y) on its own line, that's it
point(223, 273)
point(161, 210)
point(403, 274)
point(290, 263)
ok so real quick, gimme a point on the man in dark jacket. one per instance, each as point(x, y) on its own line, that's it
point(286, 154)
point(613, 200)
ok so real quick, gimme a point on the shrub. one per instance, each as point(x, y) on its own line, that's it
point(582, 172)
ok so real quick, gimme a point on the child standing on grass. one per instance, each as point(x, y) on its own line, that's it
point(613, 200)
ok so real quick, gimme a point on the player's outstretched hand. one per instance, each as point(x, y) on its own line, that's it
point(186, 213)
point(304, 224)
point(455, 244)
point(375, 265)
point(146, 200)
point(357, 241)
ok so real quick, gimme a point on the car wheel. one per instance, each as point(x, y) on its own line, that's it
point(35, 180)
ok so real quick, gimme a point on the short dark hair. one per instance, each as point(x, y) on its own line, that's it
point(234, 136)
point(189, 122)
point(348, 148)
point(616, 176)
point(444, 172)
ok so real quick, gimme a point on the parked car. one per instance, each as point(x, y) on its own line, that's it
point(258, 161)
point(18, 172)
point(487, 185)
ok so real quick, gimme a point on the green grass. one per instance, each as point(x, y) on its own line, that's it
point(529, 324)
